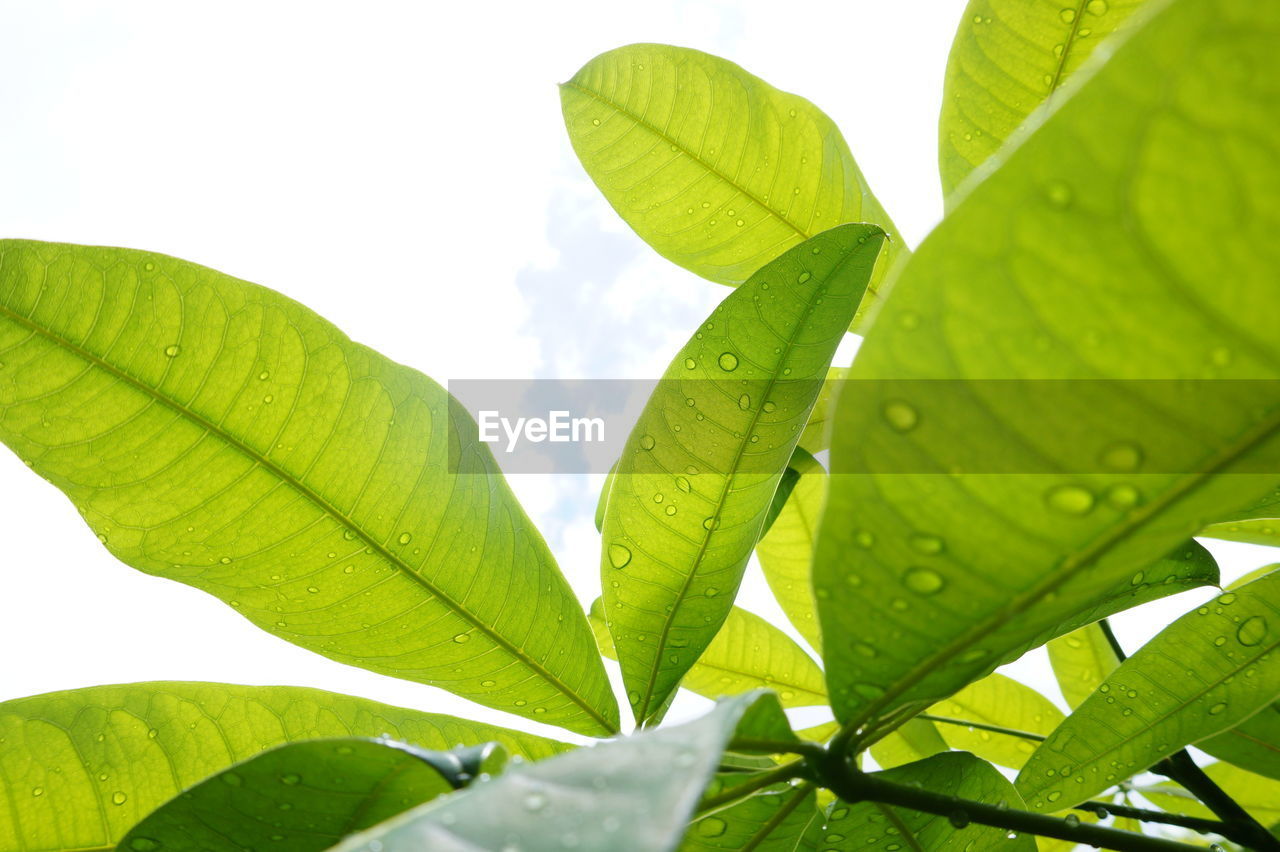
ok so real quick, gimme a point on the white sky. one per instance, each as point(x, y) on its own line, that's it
point(402, 169)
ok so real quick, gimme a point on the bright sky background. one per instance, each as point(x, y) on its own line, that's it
point(402, 169)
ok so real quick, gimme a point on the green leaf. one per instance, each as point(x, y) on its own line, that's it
point(790, 477)
point(786, 550)
point(871, 825)
point(699, 471)
point(305, 797)
point(816, 436)
point(1254, 744)
point(714, 168)
point(772, 820)
point(1045, 329)
point(1008, 57)
point(216, 433)
point(916, 740)
point(1257, 795)
point(1081, 661)
point(628, 795)
point(748, 653)
point(1208, 671)
point(1003, 702)
point(1263, 531)
point(80, 768)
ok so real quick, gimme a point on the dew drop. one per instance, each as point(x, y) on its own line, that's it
point(728, 362)
point(1121, 456)
point(405, 538)
point(689, 363)
point(744, 402)
point(1122, 496)
point(711, 827)
point(803, 277)
point(929, 545)
point(647, 442)
point(535, 802)
point(1059, 194)
point(1252, 631)
point(1067, 15)
point(143, 844)
point(173, 351)
point(1097, 7)
point(1217, 708)
point(900, 415)
point(291, 780)
point(682, 484)
point(923, 581)
point(619, 556)
point(462, 638)
point(1069, 499)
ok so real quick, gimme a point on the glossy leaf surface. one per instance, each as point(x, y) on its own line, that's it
point(303, 797)
point(80, 768)
point(217, 433)
point(698, 473)
point(1081, 264)
point(629, 795)
point(1211, 669)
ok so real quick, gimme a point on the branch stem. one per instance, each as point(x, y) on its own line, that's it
point(982, 726)
point(1102, 809)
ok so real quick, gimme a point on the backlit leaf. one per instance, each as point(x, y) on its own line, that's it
point(1081, 661)
point(1003, 702)
point(217, 433)
point(786, 550)
point(699, 471)
point(1261, 531)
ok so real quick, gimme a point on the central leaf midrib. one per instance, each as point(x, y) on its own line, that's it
point(661, 645)
point(746, 193)
point(1066, 48)
point(318, 500)
point(1089, 554)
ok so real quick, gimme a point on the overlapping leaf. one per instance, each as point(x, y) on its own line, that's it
point(305, 797)
point(698, 473)
point(80, 768)
point(1008, 57)
point(1211, 669)
point(629, 795)
point(786, 550)
point(716, 169)
point(1079, 261)
point(218, 434)
point(1081, 661)
point(772, 820)
point(748, 653)
point(1002, 702)
point(870, 825)
point(1264, 531)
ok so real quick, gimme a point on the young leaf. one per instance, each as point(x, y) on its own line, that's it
point(1211, 669)
point(915, 740)
point(1257, 795)
point(629, 795)
point(305, 797)
point(1262, 531)
point(1008, 57)
point(80, 768)
point(816, 436)
point(786, 550)
point(699, 471)
point(1002, 702)
point(748, 653)
point(1081, 661)
point(216, 433)
point(870, 825)
point(772, 820)
point(714, 168)
point(1084, 275)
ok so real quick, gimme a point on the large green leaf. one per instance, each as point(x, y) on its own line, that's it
point(870, 825)
point(216, 433)
point(1254, 744)
point(629, 795)
point(716, 169)
point(1040, 338)
point(80, 768)
point(915, 740)
point(748, 653)
point(1008, 57)
point(1208, 671)
point(786, 550)
point(1001, 702)
point(698, 473)
point(1262, 531)
point(305, 797)
point(1081, 661)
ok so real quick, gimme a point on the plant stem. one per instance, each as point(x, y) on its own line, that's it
point(1102, 809)
point(855, 786)
point(1237, 824)
point(750, 744)
point(785, 772)
point(982, 726)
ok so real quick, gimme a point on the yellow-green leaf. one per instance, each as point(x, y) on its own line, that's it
point(786, 550)
point(1081, 661)
point(217, 433)
point(716, 169)
point(915, 740)
point(698, 473)
point(1261, 531)
point(1002, 702)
